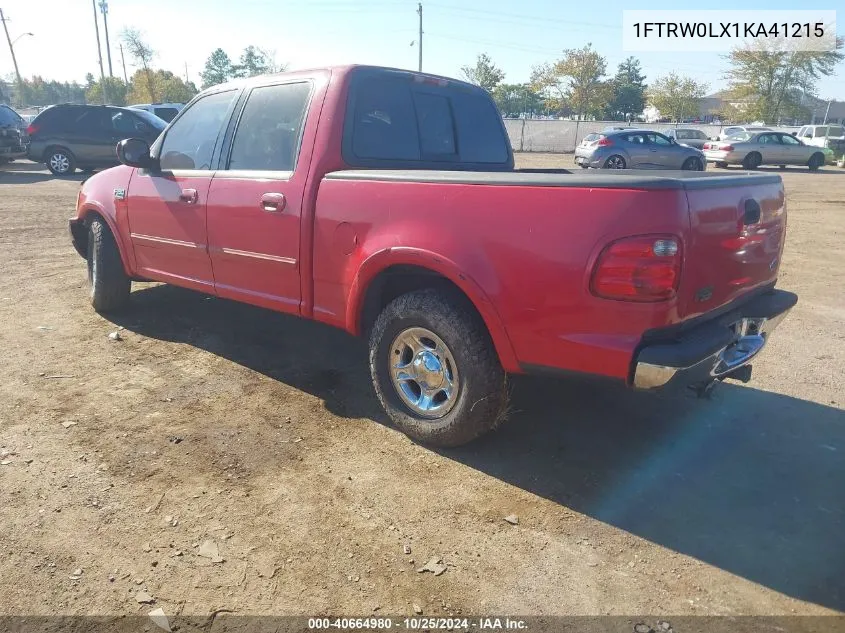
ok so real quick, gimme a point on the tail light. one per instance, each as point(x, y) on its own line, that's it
point(604, 142)
point(706, 146)
point(727, 148)
point(31, 129)
point(642, 268)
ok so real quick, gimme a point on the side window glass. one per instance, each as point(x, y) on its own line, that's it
point(437, 129)
point(385, 123)
point(190, 142)
point(125, 123)
point(268, 132)
point(658, 139)
point(92, 121)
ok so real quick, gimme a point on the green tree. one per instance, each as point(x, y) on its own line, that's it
point(218, 69)
point(115, 90)
point(574, 82)
point(629, 88)
point(770, 81)
point(168, 87)
point(517, 100)
point(676, 96)
point(143, 54)
point(485, 73)
point(252, 63)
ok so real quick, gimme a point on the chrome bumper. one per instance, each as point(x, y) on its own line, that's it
point(748, 337)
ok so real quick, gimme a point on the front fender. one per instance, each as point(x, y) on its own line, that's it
point(400, 255)
point(97, 196)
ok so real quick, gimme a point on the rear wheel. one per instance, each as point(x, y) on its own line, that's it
point(435, 370)
point(816, 161)
point(692, 164)
point(752, 161)
point(60, 161)
point(108, 281)
point(615, 162)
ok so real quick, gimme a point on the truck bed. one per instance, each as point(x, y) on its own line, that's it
point(606, 179)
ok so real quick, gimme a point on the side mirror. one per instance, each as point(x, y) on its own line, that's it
point(794, 134)
point(134, 152)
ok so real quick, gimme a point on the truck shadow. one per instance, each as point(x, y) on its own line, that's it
point(751, 482)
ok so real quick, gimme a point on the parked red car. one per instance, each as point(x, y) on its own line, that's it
point(386, 203)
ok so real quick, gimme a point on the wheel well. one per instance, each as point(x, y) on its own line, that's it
point(397, 280)
point(81, 234)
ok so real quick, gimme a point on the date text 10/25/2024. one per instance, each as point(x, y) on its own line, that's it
point(418, 623)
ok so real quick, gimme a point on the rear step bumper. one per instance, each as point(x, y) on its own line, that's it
point(714, 350)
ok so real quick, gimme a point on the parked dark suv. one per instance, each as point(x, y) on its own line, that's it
point(13, 138)
point(66, 136)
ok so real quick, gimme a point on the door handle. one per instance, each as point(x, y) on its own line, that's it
point(188, 196)
point(273, 202)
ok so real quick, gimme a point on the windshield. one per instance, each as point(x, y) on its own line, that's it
point(152, 119)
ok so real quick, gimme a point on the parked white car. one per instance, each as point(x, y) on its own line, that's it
point(733, 130)
point(166, 111)
point(821, 135)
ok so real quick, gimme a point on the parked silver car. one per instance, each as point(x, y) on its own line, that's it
point(636, 149)
point(752, 149)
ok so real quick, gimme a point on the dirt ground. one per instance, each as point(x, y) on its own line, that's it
point(217, 425)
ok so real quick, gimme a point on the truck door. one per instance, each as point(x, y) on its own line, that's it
point(255, 199)
point(167, 205)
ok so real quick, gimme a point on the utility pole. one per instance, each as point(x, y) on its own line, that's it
point(826, 112)
point(123, 61)
point(186, 73)
point(419, 11)
point(99, 52)
point(12, 51)
point(104, 8)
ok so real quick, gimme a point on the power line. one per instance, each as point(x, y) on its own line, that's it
point(522, 16)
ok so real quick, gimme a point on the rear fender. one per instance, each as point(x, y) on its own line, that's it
point(383, 259)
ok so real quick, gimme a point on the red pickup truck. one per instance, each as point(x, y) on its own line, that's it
point(386, 203)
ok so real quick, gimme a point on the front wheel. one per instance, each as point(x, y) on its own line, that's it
point(435, 370)
point(615, 162)
point(816, 161)
point(692, 164)
point(110, 286)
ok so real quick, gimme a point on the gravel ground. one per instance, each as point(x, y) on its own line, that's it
point(225, 457)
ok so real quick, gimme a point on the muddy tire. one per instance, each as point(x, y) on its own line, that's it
point(106, 277)
point(435, 369)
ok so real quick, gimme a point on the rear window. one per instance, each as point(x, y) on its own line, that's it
point(9, 116)
point(57, 118)
point(394, 118)
point(591, 137)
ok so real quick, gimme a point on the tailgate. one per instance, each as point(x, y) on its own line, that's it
point(736, 238)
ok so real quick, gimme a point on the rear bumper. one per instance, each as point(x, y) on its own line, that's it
point(715, 349)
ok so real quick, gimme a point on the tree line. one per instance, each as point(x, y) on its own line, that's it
point(147, 84)
point(766, 83)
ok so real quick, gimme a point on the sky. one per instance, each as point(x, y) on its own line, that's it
point(309, 33)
